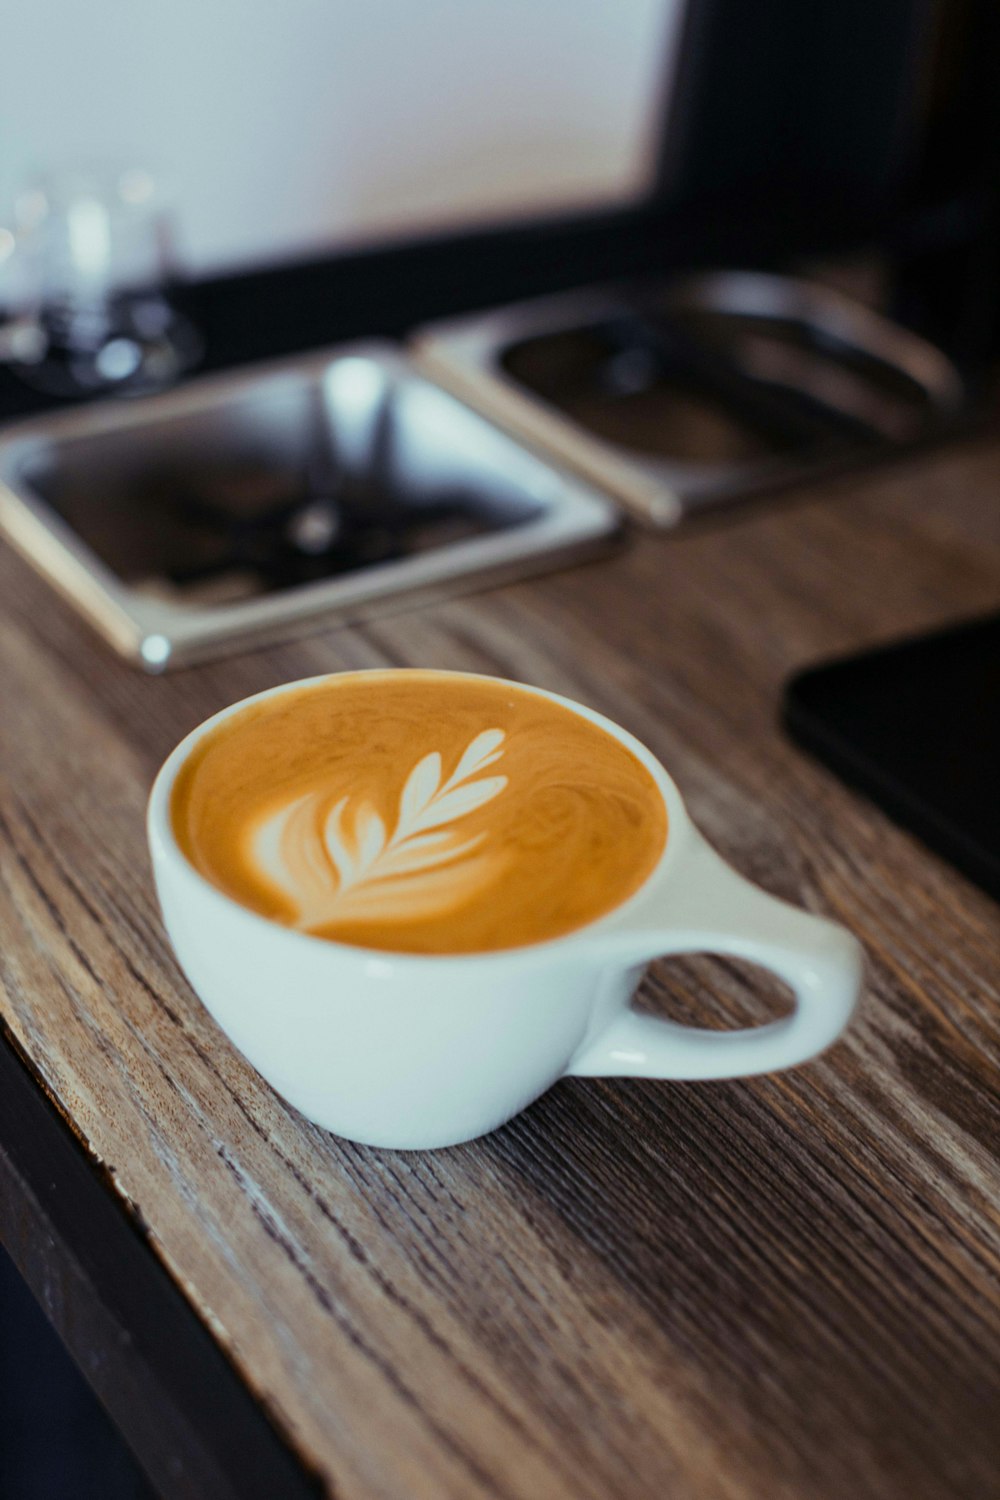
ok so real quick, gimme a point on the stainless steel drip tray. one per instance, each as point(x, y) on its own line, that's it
point(678, 395)
point(243, 507)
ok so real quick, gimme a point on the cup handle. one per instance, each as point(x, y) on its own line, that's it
point(711, 909)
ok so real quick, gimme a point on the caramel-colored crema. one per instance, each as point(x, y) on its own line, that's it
point(419, 812)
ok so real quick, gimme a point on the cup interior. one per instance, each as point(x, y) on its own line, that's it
point(165, 844)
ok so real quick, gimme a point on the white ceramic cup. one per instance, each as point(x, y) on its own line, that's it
point(415, 1051)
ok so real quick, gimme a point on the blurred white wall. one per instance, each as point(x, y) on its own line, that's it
point(288, 126)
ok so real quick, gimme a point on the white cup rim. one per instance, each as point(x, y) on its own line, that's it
point(160, 830)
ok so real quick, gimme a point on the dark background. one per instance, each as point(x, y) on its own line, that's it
point(56, 1443)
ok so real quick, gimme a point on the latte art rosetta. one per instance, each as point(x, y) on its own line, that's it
point(338, 862)
point(419, 812)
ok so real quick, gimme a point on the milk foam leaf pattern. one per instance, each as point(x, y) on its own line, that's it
point(371, 837)
point(448, 806)
point(294, 826)
point(421, 786)
point(338, 864)
point(482, 752)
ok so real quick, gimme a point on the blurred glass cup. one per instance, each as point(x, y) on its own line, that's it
point(90, 271)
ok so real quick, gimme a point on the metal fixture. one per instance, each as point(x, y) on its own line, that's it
point(242, 508)
point(680, 396)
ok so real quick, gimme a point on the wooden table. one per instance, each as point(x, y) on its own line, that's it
point(782, 1287)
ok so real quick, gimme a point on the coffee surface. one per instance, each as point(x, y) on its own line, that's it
point(419, 812)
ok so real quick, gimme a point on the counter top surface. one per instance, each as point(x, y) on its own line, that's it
point(779, 1287)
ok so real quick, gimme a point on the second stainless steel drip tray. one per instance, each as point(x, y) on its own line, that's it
point(240, 507)
point(683, 394)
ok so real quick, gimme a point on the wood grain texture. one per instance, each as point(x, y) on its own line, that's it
point(782, 1287)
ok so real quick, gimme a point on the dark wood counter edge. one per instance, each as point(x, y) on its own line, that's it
point(128, 1326)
